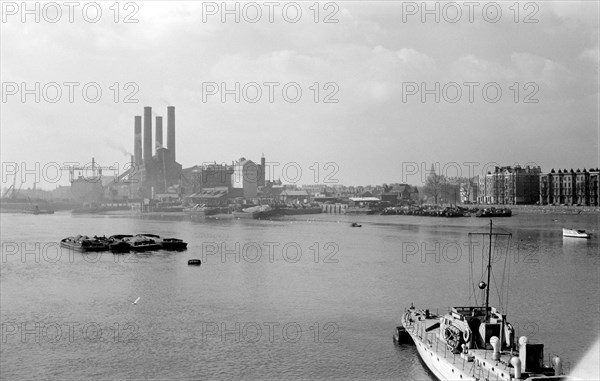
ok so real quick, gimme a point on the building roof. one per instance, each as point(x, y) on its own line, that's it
point(364, 199)
point(302, 193)
point(243, 162)
point(210, 193)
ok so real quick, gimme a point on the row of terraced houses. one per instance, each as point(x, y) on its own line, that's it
point(528, 185)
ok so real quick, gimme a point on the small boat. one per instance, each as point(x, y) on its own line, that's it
point(36, 210)
point(174, 244)
point(83, 244)
point(194, 262)
point(355, 225)
point(96, 208)
point(576, 233)
point(302, 209)
point(244, 215)
point(201, 210)
point(256, 212)
point(401, 335)
point(475, 342)
point(494, 212)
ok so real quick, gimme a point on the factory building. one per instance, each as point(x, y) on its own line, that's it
point(157, 172)
point(242, 179)
point(208, 176)
point(245, 178)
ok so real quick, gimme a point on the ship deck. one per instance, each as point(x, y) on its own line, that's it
point(477, 364)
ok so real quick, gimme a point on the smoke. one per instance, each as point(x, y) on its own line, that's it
point(117, 147)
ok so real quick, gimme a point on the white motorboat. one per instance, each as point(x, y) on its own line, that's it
point(576, 233)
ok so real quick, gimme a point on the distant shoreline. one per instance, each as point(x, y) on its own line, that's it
point(541, 209)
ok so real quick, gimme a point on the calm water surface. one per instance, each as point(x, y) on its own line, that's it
point(302, 298)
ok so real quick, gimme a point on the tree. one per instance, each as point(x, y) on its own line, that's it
point(434, 185)
point(467, 186)
point(449, 190)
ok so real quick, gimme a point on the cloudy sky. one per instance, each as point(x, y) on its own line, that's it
point(514, 85)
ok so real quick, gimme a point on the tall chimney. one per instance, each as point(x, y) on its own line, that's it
point(171, 130)
point(158, 134)
point(137, 140)
point(263, 167)
point(147, 135)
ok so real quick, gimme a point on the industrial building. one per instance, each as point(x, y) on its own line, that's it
point(214, 183)
point(156, 170)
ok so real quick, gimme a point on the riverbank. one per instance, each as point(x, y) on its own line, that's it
point(543, 209)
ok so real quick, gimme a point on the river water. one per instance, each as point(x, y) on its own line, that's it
point(307, 297)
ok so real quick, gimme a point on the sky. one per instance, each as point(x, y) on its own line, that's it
point(375, 92)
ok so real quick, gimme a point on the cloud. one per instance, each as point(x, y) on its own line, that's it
point(591, 54)
point(369, 53)
point(539, 69)
point(573, 14)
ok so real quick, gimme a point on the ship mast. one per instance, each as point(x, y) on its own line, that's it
point(489, 270)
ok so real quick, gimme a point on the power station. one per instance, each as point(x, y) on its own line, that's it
point(155, 173)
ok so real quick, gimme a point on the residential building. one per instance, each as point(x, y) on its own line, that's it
point(569, 187)
point(400, 194)
point(508, 185)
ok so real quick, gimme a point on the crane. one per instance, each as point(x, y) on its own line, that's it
point(94, 168)
point(12, 192)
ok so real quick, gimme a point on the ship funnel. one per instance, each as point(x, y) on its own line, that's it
point(516, 363)
point(557, 365)
point(495, 341)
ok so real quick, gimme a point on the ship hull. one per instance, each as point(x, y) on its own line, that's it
point(82, 249)
point(244, 215)
point(439, 363)
point(353, 210)
point(299, 211)
point(441, 368)
point(202, 212)
point(440, 357)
